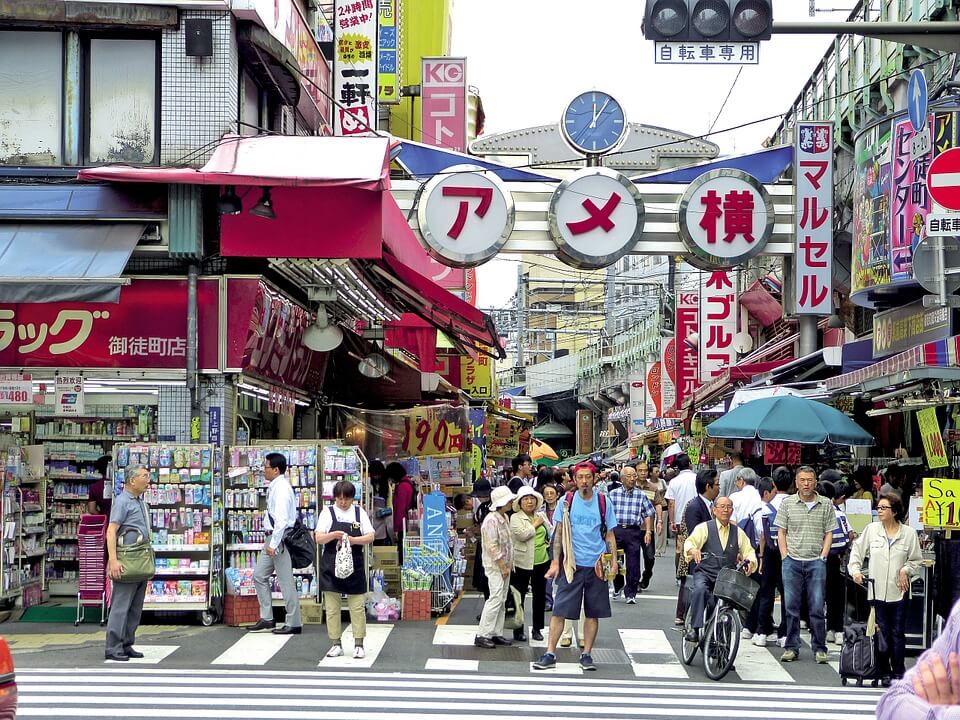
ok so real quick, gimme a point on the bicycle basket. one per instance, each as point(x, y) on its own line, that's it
point(736, 588)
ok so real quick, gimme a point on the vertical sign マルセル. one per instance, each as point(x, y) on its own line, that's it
point(814, 218)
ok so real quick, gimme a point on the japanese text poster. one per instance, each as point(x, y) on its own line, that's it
point(355, 67)
point(814, 218)
point(718, 322)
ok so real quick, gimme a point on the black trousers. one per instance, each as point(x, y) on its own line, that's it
point(836, 595)
point(891, 623)
point(630, 540)
point(534, 580)
point(771, 581)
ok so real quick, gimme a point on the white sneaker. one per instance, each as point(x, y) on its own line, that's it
point(746, 634)
point(803, 625)
point(839, 638)
point(831, 636)
point(617, 594)
point(358, 653)
point(335, 651)
point(760, 640)
point(782, 641)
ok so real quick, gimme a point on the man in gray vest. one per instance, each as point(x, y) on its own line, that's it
point(709, 548)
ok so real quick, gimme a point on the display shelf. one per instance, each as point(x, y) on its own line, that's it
point(183, 548)
point(63, 538)
point(62, 516)
point(179, 573)
point(71, 498)
point(175, 605)
point(33, 553)
point(90, 438)
point(245, 546)
point(31, 529)
point(72, 476)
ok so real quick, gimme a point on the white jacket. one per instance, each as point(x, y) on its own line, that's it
point(886, 559)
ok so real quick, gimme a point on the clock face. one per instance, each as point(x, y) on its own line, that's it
point(593, 123)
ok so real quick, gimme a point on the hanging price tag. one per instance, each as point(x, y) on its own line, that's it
point(932, 438)
point(16, 389)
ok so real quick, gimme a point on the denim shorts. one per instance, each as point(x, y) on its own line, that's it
point(587, 589)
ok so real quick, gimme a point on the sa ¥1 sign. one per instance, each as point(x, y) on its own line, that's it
point(941, 503)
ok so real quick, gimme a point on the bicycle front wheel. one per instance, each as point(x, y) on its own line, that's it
point(721, 643)
point(689, 649)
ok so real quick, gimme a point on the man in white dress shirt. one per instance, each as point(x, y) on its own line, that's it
point(275, 558)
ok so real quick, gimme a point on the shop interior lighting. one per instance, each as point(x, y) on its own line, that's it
point(877, 412)
point(264, 206)
point(900, 392)
point(255, 391)
point(322, 336)
point(229, 202)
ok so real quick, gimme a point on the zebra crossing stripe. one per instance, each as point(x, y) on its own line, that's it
point(252, 649)
point(152, 654)
point(373, 644)
point(651, 654)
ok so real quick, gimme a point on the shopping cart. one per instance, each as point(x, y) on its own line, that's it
point(92, 586)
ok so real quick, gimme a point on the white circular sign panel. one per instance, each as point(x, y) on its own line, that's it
point(725, 217)
point(466, 215)
point(596, 217)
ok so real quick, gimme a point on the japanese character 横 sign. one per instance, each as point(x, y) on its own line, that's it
point(355, 88)
point(443, 110)
point(706, 53)
point(718, 322)
point(814, 218)
point(687, 361)
point(596, 217)
point(726, 218)
point(466, 215)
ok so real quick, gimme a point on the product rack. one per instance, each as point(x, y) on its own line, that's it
point(185, 499)
point(69, 469)
point(23, 548)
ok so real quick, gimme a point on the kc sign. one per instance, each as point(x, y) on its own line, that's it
point(814, 218)
point(595, 217)
point(726, 218)
point(443, 122)
point(466, 215)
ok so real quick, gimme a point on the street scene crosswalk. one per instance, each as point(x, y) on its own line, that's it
point(344, 695)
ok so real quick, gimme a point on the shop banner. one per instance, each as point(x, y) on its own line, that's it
point(478, 450)
point(265, 336)
point(871, 201)
point(718, 322)
point(686, 345)
point(146, 329)
point(813, 175)
point(642, 410)
point(941, 503)
point(932, 439)
point(433, 527)
point(355, 67)
point(668, 378)
point(412, 433)
point(388, 51)
point(477, 377)
point(16, 389)
point(585, 438)
point(908, 326)
point(909, 200)
point(503, 437)
point(68, 396)
point(443, 110)
point(428, 432)
point(654, 390)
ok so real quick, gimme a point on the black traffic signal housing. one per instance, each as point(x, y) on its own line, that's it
point(708, 20)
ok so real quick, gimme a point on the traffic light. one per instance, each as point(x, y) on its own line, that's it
point(708, 20)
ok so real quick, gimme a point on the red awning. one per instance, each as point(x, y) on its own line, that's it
point(273, 160)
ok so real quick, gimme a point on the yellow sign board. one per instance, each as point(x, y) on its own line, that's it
point(388, 51)
point(941, 503)
point(477, 378)
point(932, 438)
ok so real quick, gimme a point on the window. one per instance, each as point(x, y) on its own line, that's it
point(31, 91)
point(122, 100)
point(250, 109)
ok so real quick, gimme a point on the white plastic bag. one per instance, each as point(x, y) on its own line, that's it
point(343, 566)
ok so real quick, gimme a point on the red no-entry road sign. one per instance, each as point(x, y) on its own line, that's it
point(943, 179)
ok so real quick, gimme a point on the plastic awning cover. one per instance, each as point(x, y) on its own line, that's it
point(766, 166)
point(424, 161)
point(272, 160)
point(64, 250)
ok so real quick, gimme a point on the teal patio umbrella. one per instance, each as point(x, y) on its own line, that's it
point(787, 418)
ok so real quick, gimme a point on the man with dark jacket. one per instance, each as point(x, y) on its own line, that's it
point(522, 473)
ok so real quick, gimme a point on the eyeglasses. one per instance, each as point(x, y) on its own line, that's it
point(884, 507)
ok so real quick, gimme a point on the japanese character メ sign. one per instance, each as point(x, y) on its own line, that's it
point(814, 218)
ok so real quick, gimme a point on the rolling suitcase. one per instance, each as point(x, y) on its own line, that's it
point(860, 653)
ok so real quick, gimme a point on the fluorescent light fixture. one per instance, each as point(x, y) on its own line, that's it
point(898, 393)
point(877, 412)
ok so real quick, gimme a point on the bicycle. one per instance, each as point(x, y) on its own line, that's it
point(720, 640)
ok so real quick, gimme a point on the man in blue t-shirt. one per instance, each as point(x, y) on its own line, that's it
point(584, 532)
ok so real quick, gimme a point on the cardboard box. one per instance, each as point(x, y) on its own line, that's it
point(311, 612)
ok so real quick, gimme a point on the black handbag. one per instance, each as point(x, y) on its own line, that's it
point(301, 545)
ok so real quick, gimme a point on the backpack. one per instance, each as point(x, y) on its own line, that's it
point(769, 528)
point(750, 530)
point(602, 501)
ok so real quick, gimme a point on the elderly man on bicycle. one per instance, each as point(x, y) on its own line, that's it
point(709, 548)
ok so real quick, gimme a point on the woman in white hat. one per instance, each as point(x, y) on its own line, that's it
point(530, 557)
point(497, 555)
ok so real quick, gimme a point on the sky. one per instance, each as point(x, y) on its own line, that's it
point(528, 58)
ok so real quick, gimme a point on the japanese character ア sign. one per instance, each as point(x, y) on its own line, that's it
point(355, 67)
point(726, 218)
point(443, 119)
point(466, 215)
point(596, 217)
point(814, 218)
point(718, 322)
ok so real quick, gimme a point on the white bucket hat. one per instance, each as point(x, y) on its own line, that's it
point(501, 496)
point(524, 492)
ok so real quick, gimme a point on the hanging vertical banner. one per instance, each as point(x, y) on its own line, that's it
point(638, 404)
point(69, 396)
point(909, 198)
point(443, 118)
point(433, 527)
point(355, 68)
point(388, 51)
point(584, 432)
point(932, 438)
point(687, 345)
point(814, 218)
point(718, 322)
point(654, 390)
point(668, 377)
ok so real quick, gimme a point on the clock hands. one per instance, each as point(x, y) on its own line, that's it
point(596, 115)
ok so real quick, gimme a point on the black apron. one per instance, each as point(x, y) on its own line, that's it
point(356, 584)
